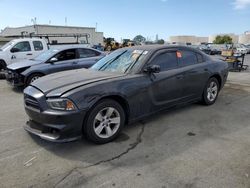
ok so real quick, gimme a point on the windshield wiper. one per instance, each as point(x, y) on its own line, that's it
point(132, 64)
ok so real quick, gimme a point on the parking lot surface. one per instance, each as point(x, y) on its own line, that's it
point(192, 146)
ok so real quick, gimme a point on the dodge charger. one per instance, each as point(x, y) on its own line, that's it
point(123, 87)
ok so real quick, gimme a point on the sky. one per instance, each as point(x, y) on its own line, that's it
point(128, 18)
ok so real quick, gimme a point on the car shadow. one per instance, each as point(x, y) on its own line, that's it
point(18, 89)
point(90, 153)
point(164, 134)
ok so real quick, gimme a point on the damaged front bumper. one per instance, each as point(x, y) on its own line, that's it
point(14, 78)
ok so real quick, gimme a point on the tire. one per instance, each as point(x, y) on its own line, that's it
point(32, 78)
point(2, 68)
point(98, 126)
point(211, 91)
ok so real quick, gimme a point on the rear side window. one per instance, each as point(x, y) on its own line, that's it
point(166, 61)
point(85, 53)
point(38, 46)
point(199, 58)
point(22, 47)
point(187, 58)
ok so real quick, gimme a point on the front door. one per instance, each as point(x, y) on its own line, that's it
point(64, 60)
point(21, 51)
point(166, 86)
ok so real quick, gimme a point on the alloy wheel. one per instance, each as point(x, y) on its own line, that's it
point(34, 78)
point(212, 91)
point(107, 122)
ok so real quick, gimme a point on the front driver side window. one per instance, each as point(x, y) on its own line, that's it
point(66, 55)
point(166, 60)
point(22, 47)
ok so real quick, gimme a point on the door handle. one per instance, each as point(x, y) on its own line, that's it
point(29, 54)
point(75, 62)
point(179, 77)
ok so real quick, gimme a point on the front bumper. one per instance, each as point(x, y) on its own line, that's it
point(52, 125)
point(14, 78)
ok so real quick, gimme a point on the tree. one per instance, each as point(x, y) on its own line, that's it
point(139, 39)
point(225, 39)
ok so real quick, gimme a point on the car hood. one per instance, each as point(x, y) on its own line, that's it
point(23, 64)
point(55, 85)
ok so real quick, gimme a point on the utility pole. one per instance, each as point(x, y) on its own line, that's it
point(96, 27)
point(66, 21)
point(33, 20)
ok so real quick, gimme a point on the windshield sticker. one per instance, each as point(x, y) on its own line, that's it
point(137, 51)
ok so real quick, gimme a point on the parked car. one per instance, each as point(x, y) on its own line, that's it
point(20, 49)
point(247, 48)
point(51, 61)
point(240, 49)
point(208, 49)
point(125, 86)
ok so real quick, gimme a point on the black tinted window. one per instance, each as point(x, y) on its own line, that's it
point(187, 58)
point(85, 53)
point(166, 61)
point(22, 47)
point(38, 45)
point(66, 55)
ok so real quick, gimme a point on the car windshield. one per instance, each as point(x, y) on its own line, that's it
point(120, 61)
point(6, 46)
point(46, 55)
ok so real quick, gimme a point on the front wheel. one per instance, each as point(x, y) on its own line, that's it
point(211, 91)
point(32, 78)
point(104, 122)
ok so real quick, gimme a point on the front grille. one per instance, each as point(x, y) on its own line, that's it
point(31, 102)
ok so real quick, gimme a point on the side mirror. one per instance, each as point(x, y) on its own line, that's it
point(152, 69)
point(14, 50)
point(53, 59)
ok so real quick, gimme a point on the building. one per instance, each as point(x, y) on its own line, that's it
point(187, 39)
point(94, 37)
point(4, 40)
point(245, 38)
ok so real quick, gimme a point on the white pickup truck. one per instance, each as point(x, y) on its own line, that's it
point(19, 49)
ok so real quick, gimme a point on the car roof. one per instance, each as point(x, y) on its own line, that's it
point(153, 48)
point(63, 47)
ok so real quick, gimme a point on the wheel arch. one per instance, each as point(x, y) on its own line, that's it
point(218, 77)
point(27, 76)
point(116, 97)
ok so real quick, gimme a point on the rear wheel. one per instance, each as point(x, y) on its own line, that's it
point(32, 78)
point(211, 91)
point(104, 122)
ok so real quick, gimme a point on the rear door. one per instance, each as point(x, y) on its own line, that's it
point(87, 57)
point(194, 73)
point(38, 48)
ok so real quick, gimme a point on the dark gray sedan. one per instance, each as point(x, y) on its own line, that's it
point(51, 61)
point(125, 86)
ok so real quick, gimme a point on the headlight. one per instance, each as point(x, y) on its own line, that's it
point(61, 104)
